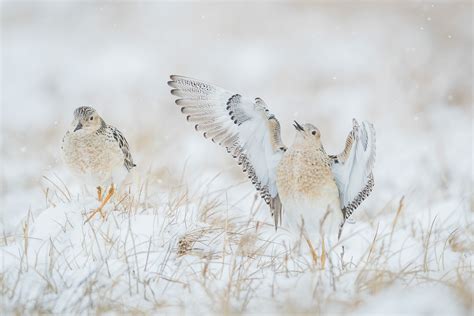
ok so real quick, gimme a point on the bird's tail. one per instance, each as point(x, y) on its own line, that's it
point(276, 208)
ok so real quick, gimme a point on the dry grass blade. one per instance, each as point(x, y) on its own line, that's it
point(65, 193)
point(395, 219)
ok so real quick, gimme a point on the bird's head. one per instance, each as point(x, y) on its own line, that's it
point(307, 133)
point(86, 120)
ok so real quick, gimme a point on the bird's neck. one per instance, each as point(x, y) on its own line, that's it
point(302, 144)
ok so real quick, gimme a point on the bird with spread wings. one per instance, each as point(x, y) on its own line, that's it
point(300, 183)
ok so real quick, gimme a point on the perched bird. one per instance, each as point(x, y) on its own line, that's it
point(96, 152)
point(303, 184)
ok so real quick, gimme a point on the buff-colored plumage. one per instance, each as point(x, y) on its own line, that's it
point(93, 158)
point(306, 185)
point(306, 170)
point(97, 153)
point(303, 185)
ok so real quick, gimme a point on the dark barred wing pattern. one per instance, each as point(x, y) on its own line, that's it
point(352, 169)
point(123, 144)
point(241, 125)
point(361, 196)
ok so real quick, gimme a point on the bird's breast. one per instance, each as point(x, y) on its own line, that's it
point(306, 174)
point(93, 155)
point(307, 188)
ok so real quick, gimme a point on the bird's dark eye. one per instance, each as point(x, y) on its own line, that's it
point(91, 118)
point(313, 132)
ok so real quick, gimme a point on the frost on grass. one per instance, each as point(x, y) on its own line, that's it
point(195, 251)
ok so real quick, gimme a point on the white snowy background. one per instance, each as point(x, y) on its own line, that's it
point(406, 67)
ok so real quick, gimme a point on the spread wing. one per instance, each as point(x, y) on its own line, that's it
point(123, 144)
point(352, 169)
point(242, 125)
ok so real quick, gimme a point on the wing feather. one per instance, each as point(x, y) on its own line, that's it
point(352, 169)
point(243, 126)
point(123, 144)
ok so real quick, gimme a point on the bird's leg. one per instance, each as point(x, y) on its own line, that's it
point(304, 234)
point(99, 193)
point(105, 200)
point(323, 254)
point(311, 249)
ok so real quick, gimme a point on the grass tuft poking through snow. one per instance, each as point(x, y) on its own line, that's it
point(191, 250)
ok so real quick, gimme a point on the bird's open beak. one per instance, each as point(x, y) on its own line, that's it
point(298, 126)
point(78, 127)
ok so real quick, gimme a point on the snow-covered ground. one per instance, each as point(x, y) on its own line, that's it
point(190, 236)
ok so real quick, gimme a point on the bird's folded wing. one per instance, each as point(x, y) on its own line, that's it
point(352, 169)
point(243, 126)
point(123, 144)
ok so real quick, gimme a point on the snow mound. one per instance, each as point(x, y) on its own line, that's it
point(199, 255)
